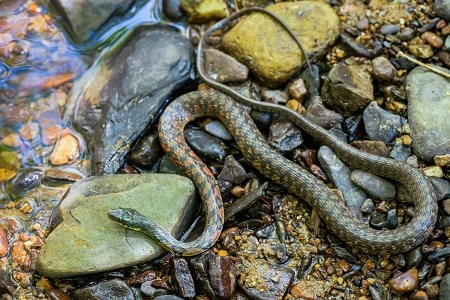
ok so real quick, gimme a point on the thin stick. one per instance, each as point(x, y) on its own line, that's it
point(417, 62)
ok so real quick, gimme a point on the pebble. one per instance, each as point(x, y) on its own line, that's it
point(25, 181)
point(66, 151)
point(383, 68)
point(433, 171)
point(368, 206)
point(298, 90)
point(433, 39)
point(390, 29)
point(199, 12)
point(206, 145)
point(442, 160)
point(380, 124)
point(413, 258)
point(348, 88)
point(12, 140)
point(284, 135)
point(406, 34)
point(441, 188)
point(322, 116)
point(110, 289)
point(376, 186)
point(405, 282)
point(172, 9)
point(340, 175)
point(232, 171)
point(223, 67)
point(146, 152)
point(274, 96)
point(400, 152)
point(307, 289)
point(29, 131)
point(421, 51)
point(217, 129)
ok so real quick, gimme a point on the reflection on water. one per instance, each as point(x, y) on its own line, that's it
point(40, 155)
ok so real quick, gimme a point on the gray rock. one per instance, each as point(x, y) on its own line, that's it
point(340, 175)
point(428, 112)
point(442, 9)
point(444, 287)
point(381, 125)
point(284, 135)
point(119, 97)
point(87, 241)
point(374, 185)
point(441, 188)
point(86, 16)
point(383, 68)
point(206, 145)
point(112, 289)
point(348, 88)
point(400, 152)
point(390, 28)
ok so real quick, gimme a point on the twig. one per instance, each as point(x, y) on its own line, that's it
point(417, 62)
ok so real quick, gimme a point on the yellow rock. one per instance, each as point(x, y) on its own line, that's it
point(262, 44)
point(202, 11)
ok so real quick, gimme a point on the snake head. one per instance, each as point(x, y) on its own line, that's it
point(124, 216)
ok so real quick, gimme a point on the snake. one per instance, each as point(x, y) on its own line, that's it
point(229, 106)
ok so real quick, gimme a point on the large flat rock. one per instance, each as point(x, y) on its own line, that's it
point(87, 241)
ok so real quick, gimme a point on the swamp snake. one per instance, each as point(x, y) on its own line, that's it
point(222, 104)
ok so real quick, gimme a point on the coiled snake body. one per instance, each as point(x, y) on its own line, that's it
point(220, 103)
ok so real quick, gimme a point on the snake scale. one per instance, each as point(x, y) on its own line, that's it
point(222, 103)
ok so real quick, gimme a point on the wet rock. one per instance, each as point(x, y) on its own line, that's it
point(182, 278)
point(217, 274)
point(376, 186)
point(223, 67)
point(368, 206)
point(217, 129)
point(321, 115)
point(271, 54)
point(428, 105)
point(383, 69)
point(276, 280)
point(284, 135)
point(340, 175)
point(111, 289)
point(61, 176)
point(146, 152)
point(117, 99)
point(172, 9)
point(380, 221)
point(442, 9)
point(206, 145)
point(66, 151)
point(261, 119)
point(232, 171)
point(72, 248)
point(85, 17)
point(380, 124)
point(205, 11)
point(444, 287)
point(347, 88)
point(405, 282)
point(413, 258)
point(25, 181)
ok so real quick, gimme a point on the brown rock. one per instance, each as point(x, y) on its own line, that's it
point(298, 90)
point(348, 88)
point(405, 282)
point(433, 39)
point(321, 115)
point(67, 150)
point(12, 140)
point(223, 67)
point(373, 147)
point(3, 242)
point(307, 289)
point(383, 69)
point(29, 131)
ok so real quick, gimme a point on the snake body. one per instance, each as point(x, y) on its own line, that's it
point(221, 103)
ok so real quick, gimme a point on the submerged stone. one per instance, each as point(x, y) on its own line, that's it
point(87, 241)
